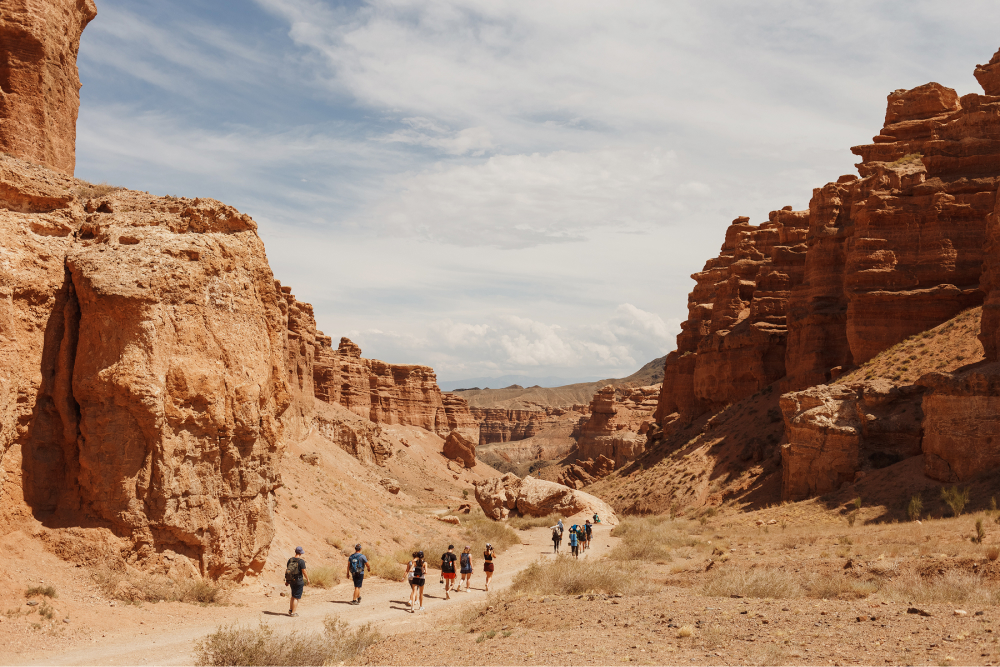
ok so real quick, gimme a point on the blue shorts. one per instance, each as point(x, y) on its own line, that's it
point(358, 579)
point(297, 590)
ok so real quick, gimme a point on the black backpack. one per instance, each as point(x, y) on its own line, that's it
point(293, 570)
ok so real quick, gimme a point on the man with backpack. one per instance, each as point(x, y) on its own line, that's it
point(296, 579)
point(574, 541)
point(556, 537)
point(588, 533)
point(448, 569)
point(356, 565)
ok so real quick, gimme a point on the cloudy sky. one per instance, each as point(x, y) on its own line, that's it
point(494, 187)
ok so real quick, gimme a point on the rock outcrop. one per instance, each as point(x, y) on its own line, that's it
point(836, 432)
point(582, 473)
point(508, 425)
point(616, 430)
point(458, 448)
point(39, 82)
point(500, 496)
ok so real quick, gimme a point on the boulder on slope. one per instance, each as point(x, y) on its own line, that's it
point(459, 448)
point(536, 497)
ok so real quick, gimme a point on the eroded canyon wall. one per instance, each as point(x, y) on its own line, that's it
point(39, 81)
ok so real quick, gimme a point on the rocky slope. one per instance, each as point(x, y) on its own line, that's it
point(39, 82)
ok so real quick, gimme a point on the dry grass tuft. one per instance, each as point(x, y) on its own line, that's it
point(123, 583)
point(93, 190)
point(387, 567)
point(685, 631)
point(526, 522)
point(569, 576)
point(758, 582)
point(234, 645)
point(326, 576)
point(41, 591)
point(952, 586)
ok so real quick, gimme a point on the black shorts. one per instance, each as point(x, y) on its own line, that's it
point(418, 581)
point(359, 579)
point(297, 590)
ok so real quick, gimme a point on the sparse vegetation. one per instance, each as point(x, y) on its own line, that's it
point(325, 576)
point(387, 567)
point(568, 576)
point(955, 498)
point(235, 645)
point(527, 522)
point(980, 532)
point(915, 508)
point(120, 582)
point(41, 591)
point(87, 190)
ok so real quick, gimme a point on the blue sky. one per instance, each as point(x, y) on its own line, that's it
point(497, 187)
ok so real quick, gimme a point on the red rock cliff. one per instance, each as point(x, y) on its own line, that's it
point(39, 82)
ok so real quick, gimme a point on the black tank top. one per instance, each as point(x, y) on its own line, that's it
point(487, 555)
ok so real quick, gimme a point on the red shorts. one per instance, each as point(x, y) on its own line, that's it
point(448, 575)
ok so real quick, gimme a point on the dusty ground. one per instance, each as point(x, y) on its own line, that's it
point(107, 633)
point(872, 626)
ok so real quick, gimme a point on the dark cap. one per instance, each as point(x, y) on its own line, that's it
point(299, 550)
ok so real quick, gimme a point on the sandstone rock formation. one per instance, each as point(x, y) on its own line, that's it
point(835, 432)
point(39, 82)
point(616, 430)
point(508, 425)
point(582, 473)
point(500, 496)
point(459, 448)
point(875, 259)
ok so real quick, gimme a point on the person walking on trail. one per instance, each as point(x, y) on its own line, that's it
point(448, 569)
point(574, 541)
point(356, 565)
point(465, 568)
point(488, 555)
point(556, 538)
point(416, 571)
point(296, 578)
point(588, 534)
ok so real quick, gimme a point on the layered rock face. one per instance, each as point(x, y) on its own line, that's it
point(836, 432)
point(144, 359)
point(39, 82)
point(459, 448)
point(875, 259)
point(616, 430)
point(508, 425)
point(733, 342)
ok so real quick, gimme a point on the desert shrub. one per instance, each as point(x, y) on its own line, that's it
point(235, 645)
point(387, 567)
point(955, 498)
point(993, 553)
point(980, 532)
point(38, 591)
point(326, 576)
point(480, 531)
point(569, 576)
point(950, 587)
point(526, 522)
point(758, 582)
point(335, 542)
point(647, 539)
point(87, 190)
point(837, 586)
point(123, 583)
point(915, 508)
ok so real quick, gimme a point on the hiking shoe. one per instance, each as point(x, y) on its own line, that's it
point(359, 599)
point(291, 613)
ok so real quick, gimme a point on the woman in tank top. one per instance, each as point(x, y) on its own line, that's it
point(465, 569)
point(488, 556)
point(416, 571)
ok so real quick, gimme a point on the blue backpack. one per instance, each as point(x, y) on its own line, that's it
point(357, 563)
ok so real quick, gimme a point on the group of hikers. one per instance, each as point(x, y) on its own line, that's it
point(296, 576)
point(416, 573)
point(579, 536)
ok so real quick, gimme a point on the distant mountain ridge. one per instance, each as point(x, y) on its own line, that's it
point(507, 380)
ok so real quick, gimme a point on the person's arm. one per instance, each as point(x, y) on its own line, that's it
point(367, 566)
point(305, 575)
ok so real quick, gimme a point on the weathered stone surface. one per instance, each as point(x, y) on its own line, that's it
point(535, 497)
point(390, 485)
point(961, 423)
point(988, 75)
point(359, 437)
point(580, 474)
point(616, 429)
point(312, 458)
point(508, 425)
point(458, 448)
point(39, 82)
point(836, 431)
point(498, 495)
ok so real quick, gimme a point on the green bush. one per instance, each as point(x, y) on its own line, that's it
point(955, 498)
point(36, 591)
point(915, 508)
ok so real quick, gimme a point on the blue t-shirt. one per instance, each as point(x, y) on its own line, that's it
point(572, 539)
point(358, 562)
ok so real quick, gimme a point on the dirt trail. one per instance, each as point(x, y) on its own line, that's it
point(383, 603)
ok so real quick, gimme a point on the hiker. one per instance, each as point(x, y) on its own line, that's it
point(556, 537)
point(356, 565)
point(588, 534)
point(296, 578)
point(488, 555)
point(465, 569)
point(416, 570)
point(597, 519)
point(448, 569)
point(574, 541)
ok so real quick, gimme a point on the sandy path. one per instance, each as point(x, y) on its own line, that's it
point(383, 603)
